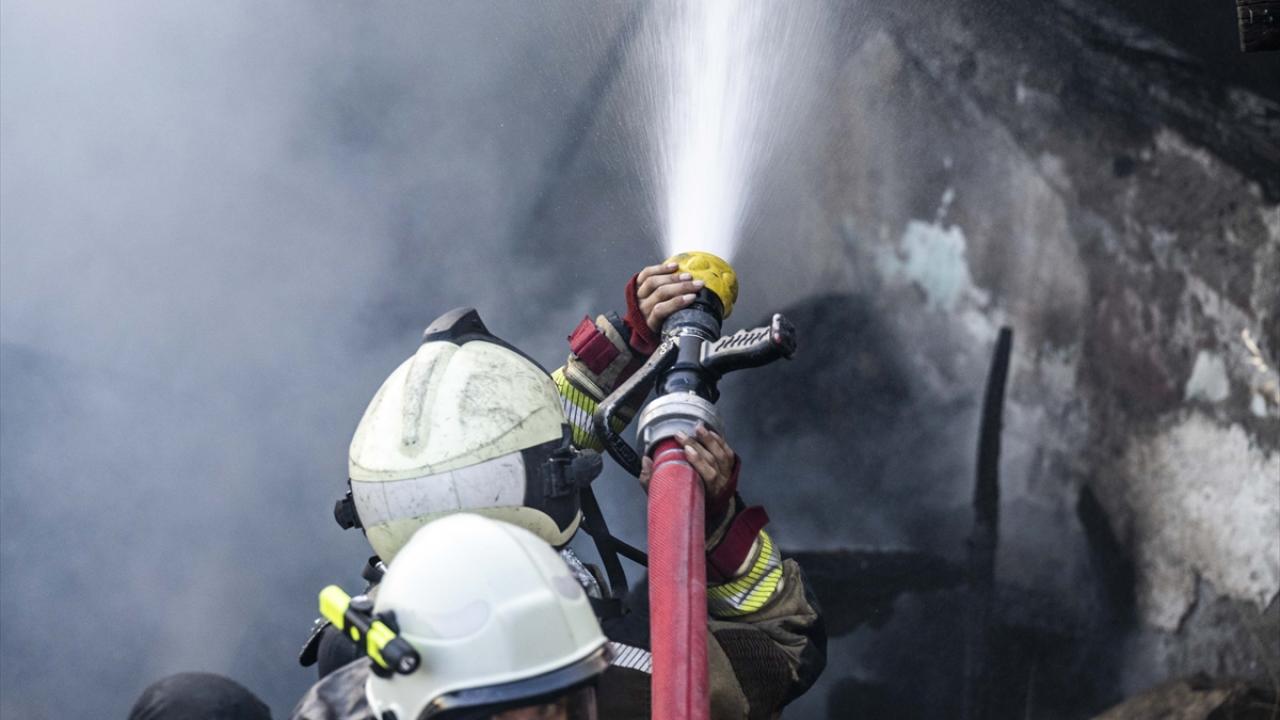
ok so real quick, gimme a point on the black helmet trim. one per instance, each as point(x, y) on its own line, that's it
point(344, 511)
point(463, 325)
point(555, 471)
point(545, 687)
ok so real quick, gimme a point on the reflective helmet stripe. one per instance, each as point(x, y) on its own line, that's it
point(492, 483)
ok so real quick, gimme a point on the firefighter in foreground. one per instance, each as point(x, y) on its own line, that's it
point(487, 622)
point(471, 424)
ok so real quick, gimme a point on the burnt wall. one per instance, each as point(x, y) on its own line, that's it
point(1106, 187)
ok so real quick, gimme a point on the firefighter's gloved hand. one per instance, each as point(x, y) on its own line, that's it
point(715, 462)
point(652, 295)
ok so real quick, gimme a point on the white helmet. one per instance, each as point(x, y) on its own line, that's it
point(469, 423)
point(496, 618)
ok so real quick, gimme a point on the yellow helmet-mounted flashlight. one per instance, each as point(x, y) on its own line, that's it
point(717, 275)
point(376, 636)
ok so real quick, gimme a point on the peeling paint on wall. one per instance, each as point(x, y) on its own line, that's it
point(933, 257)
point(1128, 258)
point(1208, 379)
point(1200, 502)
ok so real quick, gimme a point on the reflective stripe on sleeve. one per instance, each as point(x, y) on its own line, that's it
point(753, 590)
point(578, 408)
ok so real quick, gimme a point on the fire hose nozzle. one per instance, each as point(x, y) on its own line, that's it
point(684, 371)
point(689, 362)
point(717, 276)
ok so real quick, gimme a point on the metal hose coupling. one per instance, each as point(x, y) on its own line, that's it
point(676, 413)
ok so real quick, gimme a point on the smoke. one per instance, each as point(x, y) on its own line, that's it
point(223, 225)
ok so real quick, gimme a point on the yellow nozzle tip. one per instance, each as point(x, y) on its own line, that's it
point(718, 275)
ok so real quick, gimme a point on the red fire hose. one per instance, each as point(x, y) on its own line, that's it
point(677, 587)
point(689, 359)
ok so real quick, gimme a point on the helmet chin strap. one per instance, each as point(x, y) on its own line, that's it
point(608, 546)
point(569, 470)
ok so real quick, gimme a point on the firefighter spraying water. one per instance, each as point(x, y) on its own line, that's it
point(684, 371)
point(470, 424)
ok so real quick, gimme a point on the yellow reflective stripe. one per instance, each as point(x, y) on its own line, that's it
point(752, 591)
point(578, 409)
point(756, 599)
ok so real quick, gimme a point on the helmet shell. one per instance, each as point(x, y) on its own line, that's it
point(447, 432)
point(486, 605)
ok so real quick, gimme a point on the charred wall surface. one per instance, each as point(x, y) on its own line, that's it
point(1103, 181)
point(1065, 171)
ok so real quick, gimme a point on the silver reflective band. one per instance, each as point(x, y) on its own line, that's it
point(581, 573)
point(493, 483)
point(629, 656)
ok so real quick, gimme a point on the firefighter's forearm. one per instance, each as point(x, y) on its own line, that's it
point(751, 584)
point(784, 642)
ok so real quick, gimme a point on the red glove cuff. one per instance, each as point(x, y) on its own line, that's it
point(723, 562)
point(591, 346)
point(643, 340)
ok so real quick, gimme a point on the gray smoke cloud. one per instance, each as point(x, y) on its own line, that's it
point(223, 225)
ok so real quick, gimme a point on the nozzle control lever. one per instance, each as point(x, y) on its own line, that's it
point(751, 348)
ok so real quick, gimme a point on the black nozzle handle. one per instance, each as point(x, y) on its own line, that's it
point(751, 348)
point(636, 387)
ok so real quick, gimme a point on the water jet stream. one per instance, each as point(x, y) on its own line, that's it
point(724, 83)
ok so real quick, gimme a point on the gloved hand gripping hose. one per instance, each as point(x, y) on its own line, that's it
point(684, 370)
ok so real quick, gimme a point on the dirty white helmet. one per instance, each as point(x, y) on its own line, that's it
point(497, 620)
point(469, 423)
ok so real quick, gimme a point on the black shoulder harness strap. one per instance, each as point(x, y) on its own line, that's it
point(607, 545)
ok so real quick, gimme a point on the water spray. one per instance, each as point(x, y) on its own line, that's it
point(724, 88)
point(684, 372)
